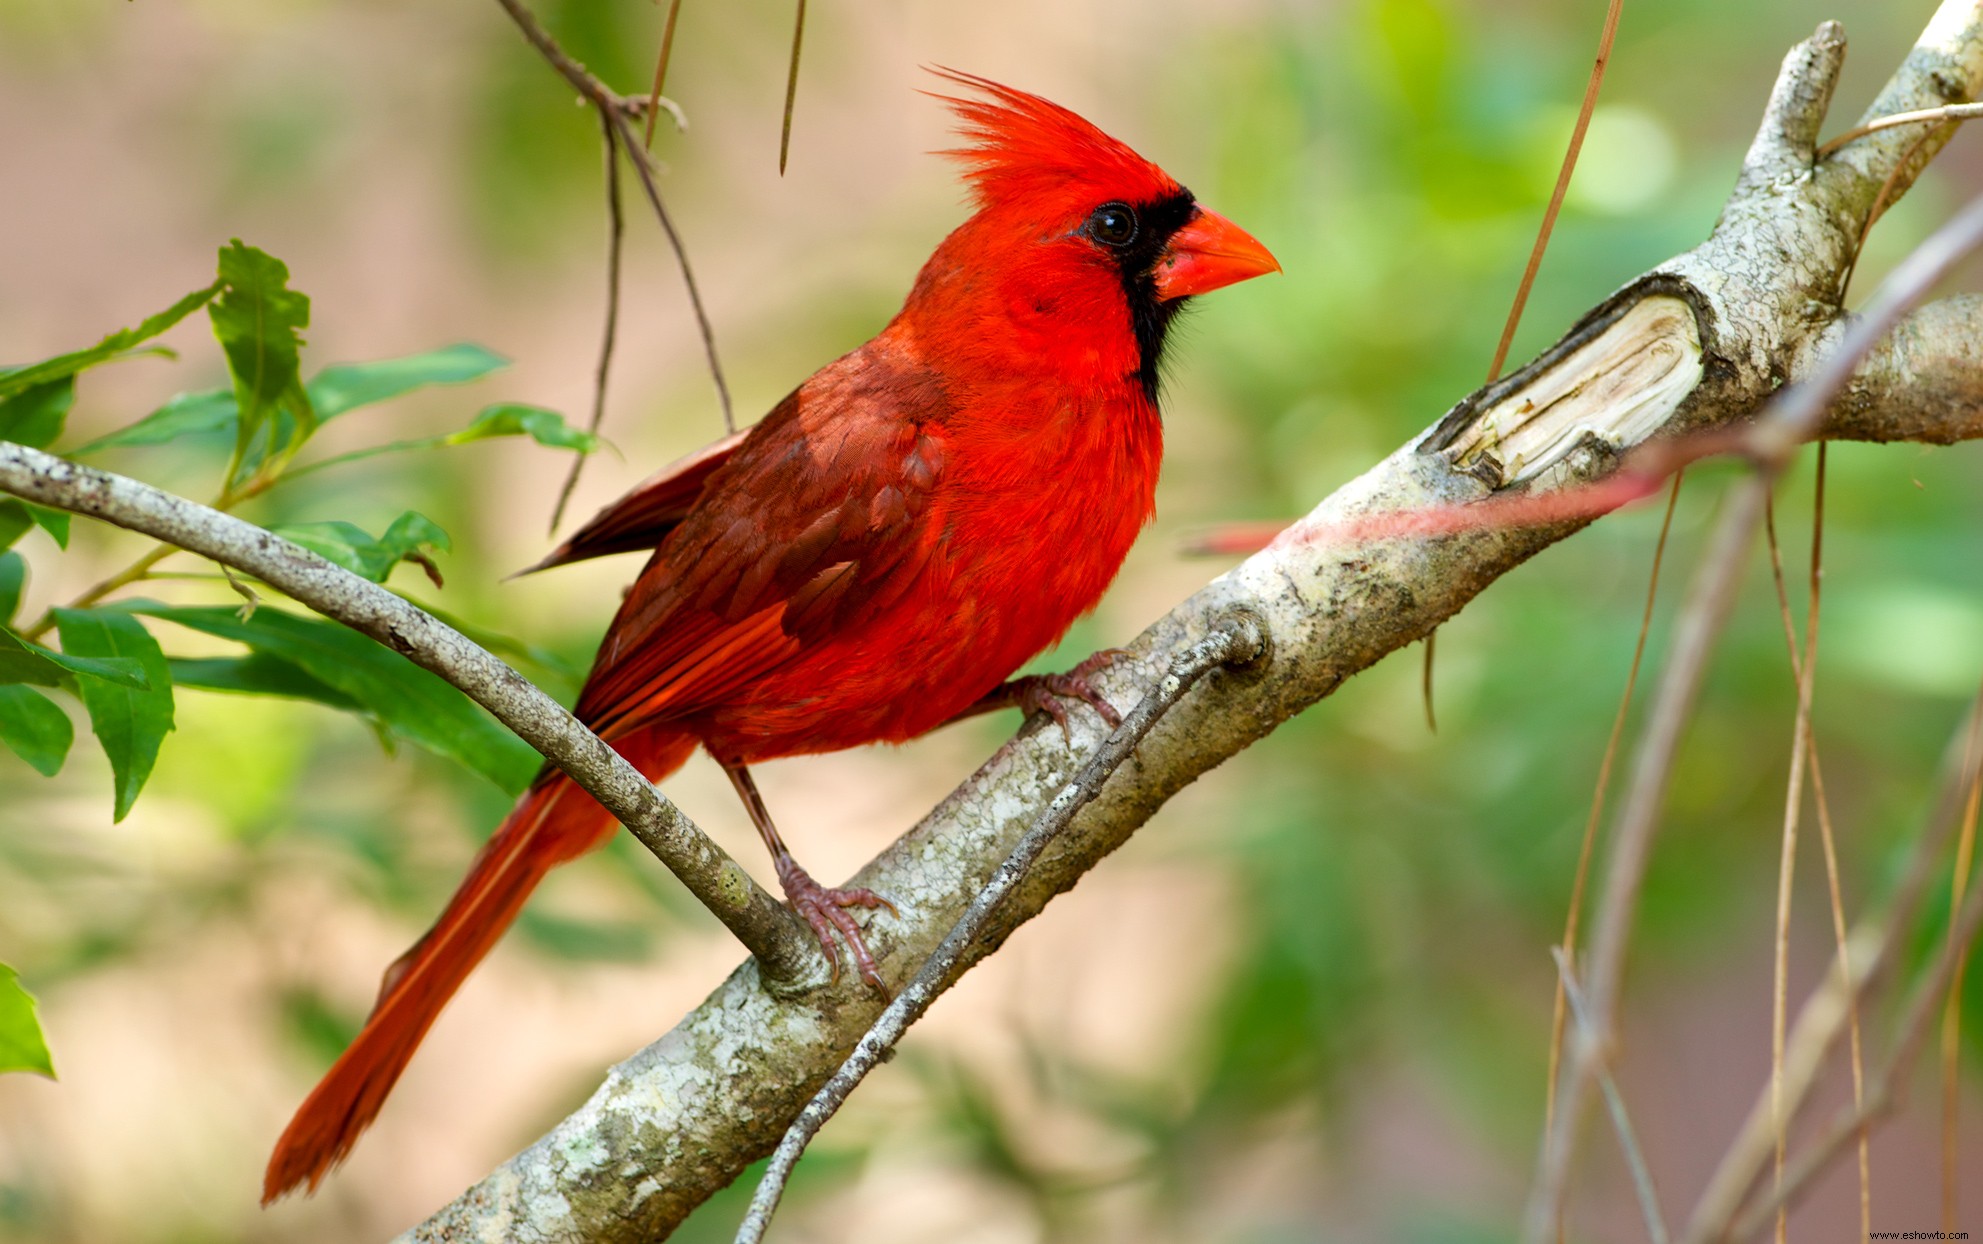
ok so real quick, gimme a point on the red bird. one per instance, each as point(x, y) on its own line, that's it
point(906, 529)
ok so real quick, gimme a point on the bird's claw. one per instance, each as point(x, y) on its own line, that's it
point(1043, 693)
point(826, 911)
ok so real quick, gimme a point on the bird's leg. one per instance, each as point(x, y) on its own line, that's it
point(823, 909)
point(1043, 693)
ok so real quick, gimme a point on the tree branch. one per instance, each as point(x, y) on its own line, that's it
point(1698, 344)
point(1236, 642)
point(1789, 127)
point(761, 923)
point(597, 93)
point(1923, 382)
point(616, 109)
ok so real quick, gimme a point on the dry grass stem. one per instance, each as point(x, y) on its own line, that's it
point(1572, 920)
point(615, 236)
point(1621, 1120)
point(1946, 113)
point(661, 70)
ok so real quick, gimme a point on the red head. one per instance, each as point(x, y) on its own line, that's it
point(1095, 247)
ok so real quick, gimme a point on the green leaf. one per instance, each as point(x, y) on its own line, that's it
point(33, 416)
point(258, 674)
point(54, 522)
point(409, 701)
point(411, 534)
point(13, 581)
point(110, 347)
point(259, 321)
point(347, 386)
point(21, 661)
point(35, 729)
point(187, 414)
point(16, 516)
point(352, 547)
point(333, 391)
point(546, 427)
point(14, 521)
point(340, 543)
point(129, 723)
point(22, 1047)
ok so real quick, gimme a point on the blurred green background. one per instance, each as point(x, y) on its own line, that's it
point(1311, 1001)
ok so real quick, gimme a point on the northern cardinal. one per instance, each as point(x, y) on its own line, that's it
point(871, 560)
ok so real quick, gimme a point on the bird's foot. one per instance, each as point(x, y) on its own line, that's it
point(1044, 693)
point(826, 911)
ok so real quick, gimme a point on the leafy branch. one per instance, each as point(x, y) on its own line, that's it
point(110, 663)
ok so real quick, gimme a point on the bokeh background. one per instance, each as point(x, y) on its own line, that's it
point(1311, 1000)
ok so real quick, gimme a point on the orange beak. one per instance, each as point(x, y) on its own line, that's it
point(1208, 253)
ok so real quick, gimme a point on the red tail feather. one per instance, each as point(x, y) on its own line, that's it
point(554, 823)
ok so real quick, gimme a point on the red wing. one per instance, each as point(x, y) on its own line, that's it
point(644, 517)
point(810, 525)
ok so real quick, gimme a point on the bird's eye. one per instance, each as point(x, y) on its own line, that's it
point(1113, 223)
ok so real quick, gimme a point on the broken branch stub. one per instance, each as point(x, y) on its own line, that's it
point(1617, 378)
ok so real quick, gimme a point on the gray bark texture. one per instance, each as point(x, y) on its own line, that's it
point(682, 1118)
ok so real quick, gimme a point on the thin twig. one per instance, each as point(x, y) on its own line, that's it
point(1801, 745)
point(1789, 421)
point(1948, 112)
point(230, 496)
point(1799, 412)
point(1239, 640)
point(1573, 918)
point(1562, 187)
point(133, 573)
point(1887, 186)
point(646, 173)
point(1850, 983)
point(1829, 838)
point(1549, 214)
point(791, 86)
point(661, 69)
point(1826, 834)
point(1522, 290)
point(250, 600)
point(616, 231)
point(1965, 852)
point(1918, 1014)
point(1818, 1025)
point(1841, 935)
point(613, 104)
point(1621, 1121)
point(1708, 604)
point(1785, 872)
point(765, 926)
point(590, 87)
